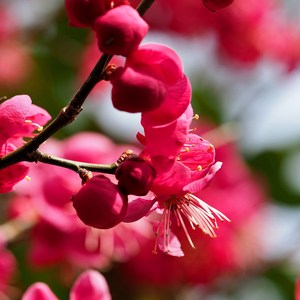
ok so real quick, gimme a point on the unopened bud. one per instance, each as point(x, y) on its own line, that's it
point(100, 203)
point(135, 176)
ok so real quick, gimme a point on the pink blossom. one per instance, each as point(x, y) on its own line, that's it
point(168, 92)
point(18, 118)
point(90, 285)
point(120, 30)
point(179, 177)
point(100, 203)
point(236, 250)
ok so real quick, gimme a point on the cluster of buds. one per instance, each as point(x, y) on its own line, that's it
point(118, 26)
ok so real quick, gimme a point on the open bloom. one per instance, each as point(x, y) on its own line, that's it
point(89, 285)
point(18, 118)
point(187, 169)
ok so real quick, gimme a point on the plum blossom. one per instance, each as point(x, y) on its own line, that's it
point(19, 118)
point(238, 246)
point(183, 169)
point(90, 285)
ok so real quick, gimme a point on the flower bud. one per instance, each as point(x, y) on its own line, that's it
point(120, 30)
point(214, 5)
point(135, 176)
point(82, 13)
point(136, 91)
point(100, 203)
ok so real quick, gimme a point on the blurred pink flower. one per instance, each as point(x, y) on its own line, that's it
point(90, 285)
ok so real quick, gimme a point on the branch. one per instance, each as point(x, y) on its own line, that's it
point(76, 166)
point(69, 113)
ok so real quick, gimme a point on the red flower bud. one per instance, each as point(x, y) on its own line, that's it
point(100, 203)
point(82, 13)
point(120, 30)
point(136, 92)
point(214, 5)
point(135, 176)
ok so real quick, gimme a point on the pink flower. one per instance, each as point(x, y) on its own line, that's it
point(238, 246)
point(179, 176)
point(135, 176)
point(120, 30)
point(153, 83)
point(100, 203)
point(90, 285)
point(18, 118)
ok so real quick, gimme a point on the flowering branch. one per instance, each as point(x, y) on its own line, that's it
point(69, 113)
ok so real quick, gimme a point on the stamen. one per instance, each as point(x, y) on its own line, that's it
point(28, 178)
point(39, 128)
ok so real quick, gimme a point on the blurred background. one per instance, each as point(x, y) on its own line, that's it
point(244, 66)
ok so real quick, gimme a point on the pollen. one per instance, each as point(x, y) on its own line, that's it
point(199, 168)
point(28, 178)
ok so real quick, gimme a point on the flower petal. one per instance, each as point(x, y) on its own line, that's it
point(39, 291)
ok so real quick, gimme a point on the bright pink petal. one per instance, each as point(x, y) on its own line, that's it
point(163, 61)
point(137, 209)
point(198, 153)
point(176, 101)
point(172, 245)
point(39, 291)
point(169, 139)
point(90, 285)
point(201, 183)
point(13, 113)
